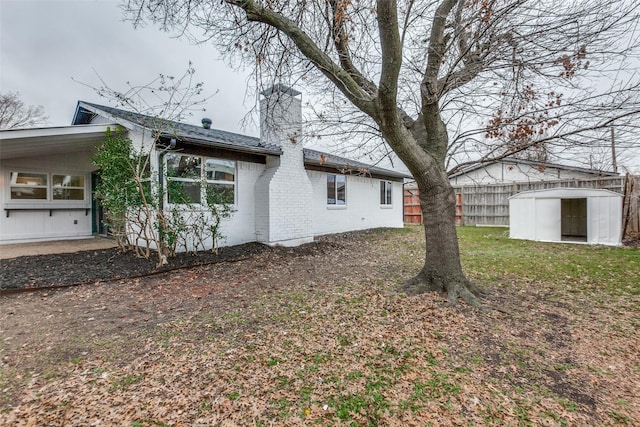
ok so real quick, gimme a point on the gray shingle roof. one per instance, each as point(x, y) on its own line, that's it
point(222, 139)
point(512, 160)
point(319, 158)
point(192, 133)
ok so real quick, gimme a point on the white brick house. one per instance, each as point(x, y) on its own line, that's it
point(282, 193)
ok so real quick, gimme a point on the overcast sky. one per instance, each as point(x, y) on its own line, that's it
point(46, 43)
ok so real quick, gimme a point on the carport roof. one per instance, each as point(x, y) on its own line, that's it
point(16, 143)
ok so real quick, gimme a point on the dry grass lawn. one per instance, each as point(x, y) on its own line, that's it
point(320, 336)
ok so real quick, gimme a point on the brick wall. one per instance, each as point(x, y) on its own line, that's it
point(283, 192)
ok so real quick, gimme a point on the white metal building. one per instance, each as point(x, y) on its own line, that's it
point(577, 215)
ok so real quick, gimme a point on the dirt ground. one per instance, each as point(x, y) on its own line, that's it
point(104, 302)
point(115, 294)
point(259, 319)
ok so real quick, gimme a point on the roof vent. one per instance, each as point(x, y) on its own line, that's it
point(206, 123)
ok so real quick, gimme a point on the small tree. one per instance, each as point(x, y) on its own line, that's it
point(124, 190)
point(136, 214)
point(15, 114)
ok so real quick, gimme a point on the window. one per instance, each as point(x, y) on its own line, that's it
point(221, 180)
point(186, 176)
point(385, 192)
point(336, 190)
point(28, 186)
point(45, 187)
point(68, 187)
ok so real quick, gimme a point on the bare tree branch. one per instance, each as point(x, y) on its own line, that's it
point(15, 114)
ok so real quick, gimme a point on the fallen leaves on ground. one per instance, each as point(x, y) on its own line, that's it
point(318, 338)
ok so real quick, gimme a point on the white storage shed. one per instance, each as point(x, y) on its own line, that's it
point(578, 215)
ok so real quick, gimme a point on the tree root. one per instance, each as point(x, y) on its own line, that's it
point(419, 284)
point(454, 288)
point(463, 291)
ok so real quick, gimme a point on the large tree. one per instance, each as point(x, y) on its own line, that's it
point(14, 113)
point(409, 69)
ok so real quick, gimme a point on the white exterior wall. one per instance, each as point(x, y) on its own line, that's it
point(536, 215)
point(548, 221)
point(604, 224)
point(508, 172)
point(37, 225)
point(362, 209)
point(141, 139)
point(240, 228)
point(522, 216)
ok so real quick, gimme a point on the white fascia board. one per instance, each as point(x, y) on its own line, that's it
point(48, 132)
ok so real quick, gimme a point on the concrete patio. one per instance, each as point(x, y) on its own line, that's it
point(55, 247)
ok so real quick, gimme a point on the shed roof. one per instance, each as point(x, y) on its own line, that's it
point(565, 193)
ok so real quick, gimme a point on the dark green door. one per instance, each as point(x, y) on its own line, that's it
point(97, 212)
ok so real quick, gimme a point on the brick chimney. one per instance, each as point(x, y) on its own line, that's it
point(283, 191)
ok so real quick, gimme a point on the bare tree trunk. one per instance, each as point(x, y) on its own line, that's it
point(442, 270)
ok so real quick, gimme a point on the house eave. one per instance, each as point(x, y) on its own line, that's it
point(370, 172)
point(224, 146)
point(15, 143)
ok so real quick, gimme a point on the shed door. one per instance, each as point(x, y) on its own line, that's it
point(574, 219)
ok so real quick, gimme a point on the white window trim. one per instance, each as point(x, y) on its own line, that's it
point(49, 188)
point(336, 205)
point(202, 181)
point(386, 183)
point(83, 188)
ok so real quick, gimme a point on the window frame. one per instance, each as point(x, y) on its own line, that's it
point(224, 182)
point(17, 185)
point(336, 179)
point(83, 187)
point(202, 181)
point(386, 193)
point(48, 187)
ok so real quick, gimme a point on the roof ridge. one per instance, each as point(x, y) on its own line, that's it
point(237, 141)
point(121, 110)
point(476, 165)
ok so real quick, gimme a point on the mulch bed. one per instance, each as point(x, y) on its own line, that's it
point(102, 265)
point(84, 267)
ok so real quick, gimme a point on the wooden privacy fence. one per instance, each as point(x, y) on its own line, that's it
point(412, 211)
point(631, 207)
point(489, 204)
